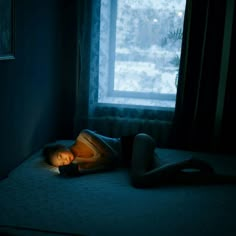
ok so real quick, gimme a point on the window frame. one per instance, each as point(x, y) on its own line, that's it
point(111, 92)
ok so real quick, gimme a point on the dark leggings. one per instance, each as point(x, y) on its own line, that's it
point(191, 171)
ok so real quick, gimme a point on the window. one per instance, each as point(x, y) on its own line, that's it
point(139, 52)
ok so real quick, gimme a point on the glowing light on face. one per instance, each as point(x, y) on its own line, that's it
point(62, 158)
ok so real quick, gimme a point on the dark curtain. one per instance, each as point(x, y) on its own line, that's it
point(205, 89)
point(84, 16)
point(229, 117)
point(204, 118)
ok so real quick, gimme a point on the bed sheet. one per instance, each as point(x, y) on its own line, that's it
point(34, 198)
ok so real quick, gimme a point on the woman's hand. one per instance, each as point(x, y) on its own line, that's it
point(69, 170)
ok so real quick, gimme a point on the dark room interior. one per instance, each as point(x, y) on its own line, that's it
point(38, 102)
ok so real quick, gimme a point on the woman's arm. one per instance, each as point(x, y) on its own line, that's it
point(86, 165)
point(77, 169)
point(80, 149)
point(80, 160)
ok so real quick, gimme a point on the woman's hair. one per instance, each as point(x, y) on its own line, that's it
point(50, 150)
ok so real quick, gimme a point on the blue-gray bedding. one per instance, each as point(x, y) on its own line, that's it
point(34, 198)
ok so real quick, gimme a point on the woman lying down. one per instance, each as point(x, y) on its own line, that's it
point(92, 152)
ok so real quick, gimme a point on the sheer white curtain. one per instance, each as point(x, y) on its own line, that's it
point(108, 119)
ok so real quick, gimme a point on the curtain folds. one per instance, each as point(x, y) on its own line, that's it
point(106, 117)
point(84, 14)
point(203, 75)
point(203, 116)
point(228, 132)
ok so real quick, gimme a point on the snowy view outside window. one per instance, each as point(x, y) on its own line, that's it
point(140, 46)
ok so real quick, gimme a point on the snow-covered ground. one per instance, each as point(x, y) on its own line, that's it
point(144, 77)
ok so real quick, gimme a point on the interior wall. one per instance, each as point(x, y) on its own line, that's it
point(37, 87)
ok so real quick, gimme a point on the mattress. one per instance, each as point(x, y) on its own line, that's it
point(35, 200)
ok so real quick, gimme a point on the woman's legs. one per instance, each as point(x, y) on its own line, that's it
point(190, 171)
point(142, 158)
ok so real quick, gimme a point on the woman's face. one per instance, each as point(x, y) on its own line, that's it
point(62, 158)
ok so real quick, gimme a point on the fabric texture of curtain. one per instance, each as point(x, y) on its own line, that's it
point(112, 120)
point(204, 76)
point(203, 117)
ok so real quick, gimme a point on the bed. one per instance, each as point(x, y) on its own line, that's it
point(35, 200)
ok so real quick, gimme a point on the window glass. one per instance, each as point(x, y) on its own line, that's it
point(140, 47)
